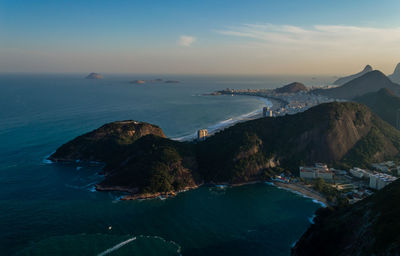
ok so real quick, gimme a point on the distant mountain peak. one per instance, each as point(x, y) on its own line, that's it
point(291, 88)
point(372, 81)
point(347, 79)
point(368, 68)
point(395, 77)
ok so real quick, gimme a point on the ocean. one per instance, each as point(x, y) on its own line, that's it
point(53, 209)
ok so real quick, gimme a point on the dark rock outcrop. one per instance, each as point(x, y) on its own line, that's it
point(291, 88)
point(347, 79)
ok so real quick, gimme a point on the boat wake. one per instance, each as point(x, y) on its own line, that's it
point(116, 247)
point(123, 243)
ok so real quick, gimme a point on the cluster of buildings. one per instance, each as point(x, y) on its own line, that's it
point(380, 180)
point(291, 103)
point(376, 180)
point(318, 171)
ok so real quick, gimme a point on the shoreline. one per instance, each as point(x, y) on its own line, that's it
point(304, 191)
point(255, 114)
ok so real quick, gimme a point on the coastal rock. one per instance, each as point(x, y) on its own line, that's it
point(292, 88)
point(105, 142)
point(395, 77)
point(369, 227)
point(347, 79)
point(370, 82)
point(94, 76)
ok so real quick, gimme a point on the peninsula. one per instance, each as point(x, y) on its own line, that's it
point(140, 160)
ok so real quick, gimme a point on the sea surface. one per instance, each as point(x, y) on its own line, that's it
point(53, 209)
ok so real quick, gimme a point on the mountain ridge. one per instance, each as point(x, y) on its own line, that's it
point(347, 79)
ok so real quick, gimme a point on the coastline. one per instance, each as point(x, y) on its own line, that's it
point(273, 103)
point(304, 191)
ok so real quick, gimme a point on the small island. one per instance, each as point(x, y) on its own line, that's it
point(94, 76)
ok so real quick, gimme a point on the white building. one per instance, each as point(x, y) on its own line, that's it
point(318, 171)
point(380, 180)
point(360, 173)
point(202, 134)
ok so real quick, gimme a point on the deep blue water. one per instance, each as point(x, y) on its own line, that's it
point(51, 209)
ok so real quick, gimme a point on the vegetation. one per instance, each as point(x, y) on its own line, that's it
point(384, 103)
point(369, 227)
point(336, 133)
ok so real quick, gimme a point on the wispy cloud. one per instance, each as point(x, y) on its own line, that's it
point(318, 37)
point(186, 41)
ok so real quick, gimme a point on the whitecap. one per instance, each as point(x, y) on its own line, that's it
point(116, 247)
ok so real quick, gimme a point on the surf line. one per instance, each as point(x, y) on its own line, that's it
point(116, 247)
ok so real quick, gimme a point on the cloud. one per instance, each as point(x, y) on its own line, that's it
point(186, 41)
point(317, 38)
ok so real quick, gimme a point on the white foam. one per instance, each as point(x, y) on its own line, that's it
point(311, 219)
point(116, 247)
point(227, 122)
point(298, 193)
point(46, 159)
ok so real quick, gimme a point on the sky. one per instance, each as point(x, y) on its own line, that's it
point(260, 37)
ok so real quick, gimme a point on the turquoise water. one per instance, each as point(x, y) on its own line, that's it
point(52, 209)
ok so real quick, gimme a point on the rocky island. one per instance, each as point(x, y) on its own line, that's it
point(94, 76)
point(140, 160)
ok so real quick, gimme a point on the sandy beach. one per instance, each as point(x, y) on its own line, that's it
point(303, 190)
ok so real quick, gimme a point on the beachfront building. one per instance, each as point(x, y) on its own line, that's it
point(360, 173)
point(318, 171)
point(202, 134)
point(380, 180)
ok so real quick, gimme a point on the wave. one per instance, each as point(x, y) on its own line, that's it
point(116, 247)
point(46, 159)
point(298, 193)
point(228, 122)
point(311, 219)
point(123, 243)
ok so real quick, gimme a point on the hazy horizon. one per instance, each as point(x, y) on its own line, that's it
point(199, 38)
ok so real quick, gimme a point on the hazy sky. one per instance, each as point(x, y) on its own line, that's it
point(199, 36)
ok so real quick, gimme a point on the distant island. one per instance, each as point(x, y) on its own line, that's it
point(94, 76)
